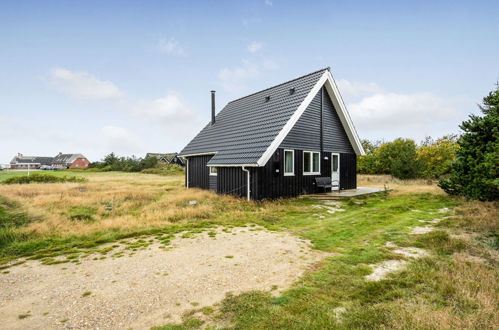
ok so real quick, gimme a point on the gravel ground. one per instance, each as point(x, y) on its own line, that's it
point(153, 286)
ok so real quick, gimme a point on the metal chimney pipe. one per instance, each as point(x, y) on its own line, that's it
point(213, 107)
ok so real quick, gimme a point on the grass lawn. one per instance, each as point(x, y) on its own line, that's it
point(453, 287)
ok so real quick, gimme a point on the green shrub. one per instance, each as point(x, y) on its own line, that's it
point(437, 156)
point(475, 173)
point(403, 159)
point(112, 162)
point(85, 213)
point(165, 169)
point(369, 163)
point(12, 218)
point(42, 178)
point(399, 158)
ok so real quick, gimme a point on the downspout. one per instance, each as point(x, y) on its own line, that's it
point(248, 191)
point(187, 172)
point(322, 127)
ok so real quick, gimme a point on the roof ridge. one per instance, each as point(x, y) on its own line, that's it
point(286, 82)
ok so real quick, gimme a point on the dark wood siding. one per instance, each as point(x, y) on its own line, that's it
point(269, 184)
point(212, 182)
point(198, 172)
point(232, 181)
point(348, 171)
point(305, 135)
point(266, 183)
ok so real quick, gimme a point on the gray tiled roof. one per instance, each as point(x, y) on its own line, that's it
point(246, 127)
point(166, 156)
point(66, 158)
point(31, 160)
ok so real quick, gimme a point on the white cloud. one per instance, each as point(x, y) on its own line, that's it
point(388, 110)
point(171, 47)
point(380, 114)
point(235, 79)
point(120, 141)
point(170, 108)
point(251, 21)
point(254, 47)
point(354, 90)
point(268, 2)
point(82, 85)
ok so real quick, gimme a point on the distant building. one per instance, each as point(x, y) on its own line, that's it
point(61, 160)
point(32, 162)
point(170, 158)
point(70, 161)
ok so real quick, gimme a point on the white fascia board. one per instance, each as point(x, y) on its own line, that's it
point(342, 111)
point(335, 96)
point(292, 121)
point(233, 165)
point(200, 154)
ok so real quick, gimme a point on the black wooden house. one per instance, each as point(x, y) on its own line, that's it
point(280, 142)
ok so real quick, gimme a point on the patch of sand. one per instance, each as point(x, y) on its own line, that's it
point(422, 230)
point(411, 252)
point(154, 286)
point(330, 206)
point(383, 268)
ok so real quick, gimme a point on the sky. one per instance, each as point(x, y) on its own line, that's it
point(133, 77)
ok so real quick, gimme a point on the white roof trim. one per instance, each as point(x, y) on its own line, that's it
point(200, 154)
point(342, 111)
point(334, 94)
point(232, 165)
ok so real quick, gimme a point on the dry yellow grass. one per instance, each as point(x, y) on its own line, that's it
point(139, 200)
point(399, 186)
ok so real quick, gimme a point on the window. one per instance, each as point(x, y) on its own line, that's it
point(306, 162)
point(213, 171)
point(311, 163)
point(289, 162)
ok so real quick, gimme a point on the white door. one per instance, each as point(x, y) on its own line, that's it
point(335, 171)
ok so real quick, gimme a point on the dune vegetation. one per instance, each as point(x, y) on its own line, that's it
point(454, 285)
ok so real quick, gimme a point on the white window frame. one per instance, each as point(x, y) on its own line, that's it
point(211, 171)
point(311, 162)
point(292, 163)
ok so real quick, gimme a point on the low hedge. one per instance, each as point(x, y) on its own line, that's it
point(42, 178)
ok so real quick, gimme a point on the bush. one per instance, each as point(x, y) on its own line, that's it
point(476, 169)
point(165, 169)
point(399, 158)
point(369, 163)
point(42, 178)
point(403, 159)
point(112, 162)
point(436, 157)
point(84, 213)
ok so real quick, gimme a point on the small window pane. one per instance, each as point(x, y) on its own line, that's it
point(335, 163)
point(288, 162)
point(306, 162)
point(213, 170)
point(316, 160)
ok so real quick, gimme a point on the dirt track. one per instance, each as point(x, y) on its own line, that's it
point(154, 286)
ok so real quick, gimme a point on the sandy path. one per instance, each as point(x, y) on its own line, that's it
point(154, 286)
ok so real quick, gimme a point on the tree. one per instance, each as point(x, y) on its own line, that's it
point(110, 159)
point(436, 157)
point(369, 164)
point(399, 158)
point(475, 171)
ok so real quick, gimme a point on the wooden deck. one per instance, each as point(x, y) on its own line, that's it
point(338, 194)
